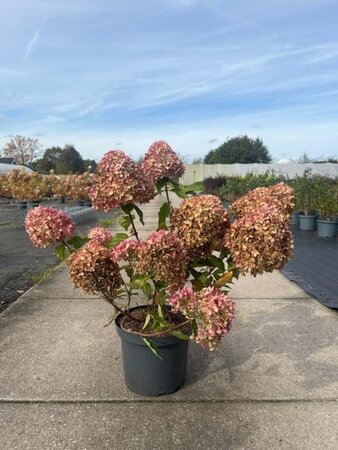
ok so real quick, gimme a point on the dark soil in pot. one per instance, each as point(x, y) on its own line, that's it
point(144, 372)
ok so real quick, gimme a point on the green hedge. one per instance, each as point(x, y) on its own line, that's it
point(313, 193)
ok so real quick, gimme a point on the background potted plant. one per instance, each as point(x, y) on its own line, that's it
point(4, 187)
point(26, 187)
point(79, 188)
point(305, 194)
point(173, 285)
point(327, 203)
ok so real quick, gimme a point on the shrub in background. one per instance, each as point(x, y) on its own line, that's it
point(326, 197)
point(212, 185)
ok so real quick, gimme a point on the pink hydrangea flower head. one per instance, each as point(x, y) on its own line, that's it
point(93, 270)
point(280, 195)
point(119, 181)
point(261, 241)
point(163, 257)
point(126, 250)
point(201, 223)
point(161, 161)
point(99, 235)
point(48, 225)
point(211, 308)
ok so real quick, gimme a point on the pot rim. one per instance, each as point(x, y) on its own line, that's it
point(335, 221)
point(159, 341)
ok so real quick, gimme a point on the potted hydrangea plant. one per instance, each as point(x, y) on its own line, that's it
point(26, 187)
point(79, 188)
point(173, 285)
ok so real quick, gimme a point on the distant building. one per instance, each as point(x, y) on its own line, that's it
point(285, 161)
point(5, 168)
point(7, 161)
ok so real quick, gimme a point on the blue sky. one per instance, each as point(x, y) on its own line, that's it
point(104, 74)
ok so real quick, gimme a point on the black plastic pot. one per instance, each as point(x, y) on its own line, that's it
point(21, 205)
point(144, 372)
point(327, 228)
point(35, 203)
point(226, 205)
point(295, 220)
point(308, 223)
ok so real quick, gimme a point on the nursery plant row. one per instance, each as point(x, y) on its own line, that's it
point(316, 196)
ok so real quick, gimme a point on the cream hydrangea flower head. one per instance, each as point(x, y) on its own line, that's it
point(93, 270)
point(200, 222)
point(261, 241)
point(163, 257)
point(280, 195)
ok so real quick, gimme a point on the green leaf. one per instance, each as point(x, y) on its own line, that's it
point(180, 335)
point(62, 252)
point(197, 285)
point(146, 322)
point(218, 263)
point(194, 327)
point(139, 281)
point(127, 208)
point(125, 222)
point(139, 213)
point(116, 239)
point(147, 289)
point(129, 271)
point(160, 184)
point(152, 347)
point(160, 311)
point(200, 276)
point(160, 297)
point(163, 226)
point(78, 241)
point(163, 213)
point(179, 192)
point(112, 317)
point(177, 188)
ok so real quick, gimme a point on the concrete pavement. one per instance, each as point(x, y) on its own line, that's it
point(273, 383)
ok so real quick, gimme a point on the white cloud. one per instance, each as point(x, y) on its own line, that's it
point(31, 44)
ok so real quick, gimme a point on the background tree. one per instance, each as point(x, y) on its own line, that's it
point(304, 158)
point(49, 160)
point(23, 149)
point(70, 161)
point(90, 165)
point(63, 160)
point(240, 149)
point(197, 160)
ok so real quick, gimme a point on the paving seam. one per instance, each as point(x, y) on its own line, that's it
point(160, 402)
